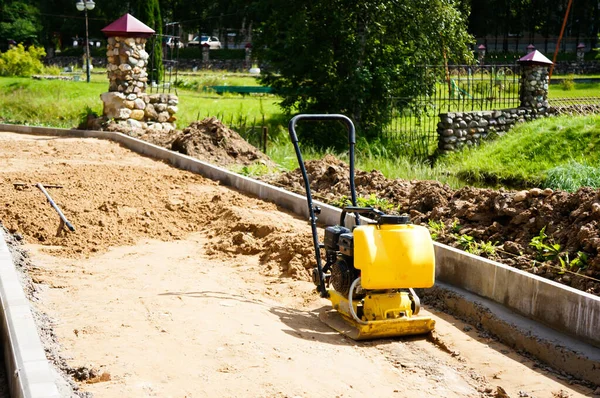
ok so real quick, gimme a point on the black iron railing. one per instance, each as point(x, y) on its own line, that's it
point(456, 88)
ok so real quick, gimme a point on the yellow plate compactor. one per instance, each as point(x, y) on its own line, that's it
point(372, 267)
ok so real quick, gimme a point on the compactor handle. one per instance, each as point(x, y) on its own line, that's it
point(311, 209)
point(323, 117)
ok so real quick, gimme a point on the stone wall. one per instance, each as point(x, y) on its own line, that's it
point(577, 68)
point(459, 129)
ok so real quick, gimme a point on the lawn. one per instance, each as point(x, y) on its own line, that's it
point(62, 103)
point(558, 152)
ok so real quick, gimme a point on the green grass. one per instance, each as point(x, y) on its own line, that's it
point(48, 102)
point(60, 103)
point(525, 156)
point(199, 80)
point(571, 176)
point(579, 90)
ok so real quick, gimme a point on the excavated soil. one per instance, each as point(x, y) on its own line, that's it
point(509, 219)
point(209, 140)
point(112, 202)
point(172, 285)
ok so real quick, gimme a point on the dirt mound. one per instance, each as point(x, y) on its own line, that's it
point(114, 197)
point(240, 229)
point(510, 221)
point(212, 141)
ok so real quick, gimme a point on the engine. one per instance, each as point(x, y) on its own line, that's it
point(339, 249)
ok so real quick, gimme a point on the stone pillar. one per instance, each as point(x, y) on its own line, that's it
point(248, 59)
point(580, 52)
point(481, 54)
point(534, 86)
point(126, 102)
point(534, 81)
point(205, 54)
point(126, 67)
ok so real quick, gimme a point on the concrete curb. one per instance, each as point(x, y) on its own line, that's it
point(555, 349)
point(28, 371)
point(576, 313)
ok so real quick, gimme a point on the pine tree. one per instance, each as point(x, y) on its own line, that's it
point(148, 11)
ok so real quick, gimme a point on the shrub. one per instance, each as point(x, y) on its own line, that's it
point(20, 62)
point(568, 83)
point(53, 70)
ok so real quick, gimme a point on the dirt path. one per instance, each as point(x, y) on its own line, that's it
point(207, 309)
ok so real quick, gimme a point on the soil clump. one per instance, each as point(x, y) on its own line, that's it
point(518, 228)
point(211, 141)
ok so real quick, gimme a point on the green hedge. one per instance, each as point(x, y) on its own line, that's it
point(80, 51)
point(196, 53)
point(512, 57)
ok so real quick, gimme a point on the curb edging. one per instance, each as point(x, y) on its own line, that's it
point(27, 369)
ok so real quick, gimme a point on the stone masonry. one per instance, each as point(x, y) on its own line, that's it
point(126, 101)
point(460, 129)
point(534, 87)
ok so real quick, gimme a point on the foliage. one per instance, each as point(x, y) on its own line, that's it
point(148, 11)
point(19, 61)
point(254, 170)
point(470, 245)
point(513, 18)
point(436, 228)
point(20, 21)
point(546, 250)
point(567, 83)
point(349, 57)
point(367, 201)
point(52, 70)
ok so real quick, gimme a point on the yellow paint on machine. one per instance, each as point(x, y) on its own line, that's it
point(392, 256)
point(340, 319)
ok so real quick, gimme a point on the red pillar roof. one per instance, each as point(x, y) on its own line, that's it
point(128, 26)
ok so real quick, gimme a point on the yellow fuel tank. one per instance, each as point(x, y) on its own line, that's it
point(394, 256)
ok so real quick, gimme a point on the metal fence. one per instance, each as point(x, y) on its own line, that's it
point(457, 88)
point(575, 106)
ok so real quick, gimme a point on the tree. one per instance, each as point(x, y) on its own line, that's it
point(19, 21)
point(350, 57)
point(148, 11)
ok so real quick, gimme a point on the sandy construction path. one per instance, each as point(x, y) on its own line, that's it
point(173, 286)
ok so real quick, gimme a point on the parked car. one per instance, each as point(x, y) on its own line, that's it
point(212, 41)
point(172, 41)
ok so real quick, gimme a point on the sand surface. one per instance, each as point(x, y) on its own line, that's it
point(173, 286)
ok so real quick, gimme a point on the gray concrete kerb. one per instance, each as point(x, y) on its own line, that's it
point(28, 371)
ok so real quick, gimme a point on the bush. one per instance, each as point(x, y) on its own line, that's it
point(20, 62)
point(568, 83)
point(53, 70)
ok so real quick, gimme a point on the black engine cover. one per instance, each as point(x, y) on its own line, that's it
point(343, 274)
point(332, 236)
